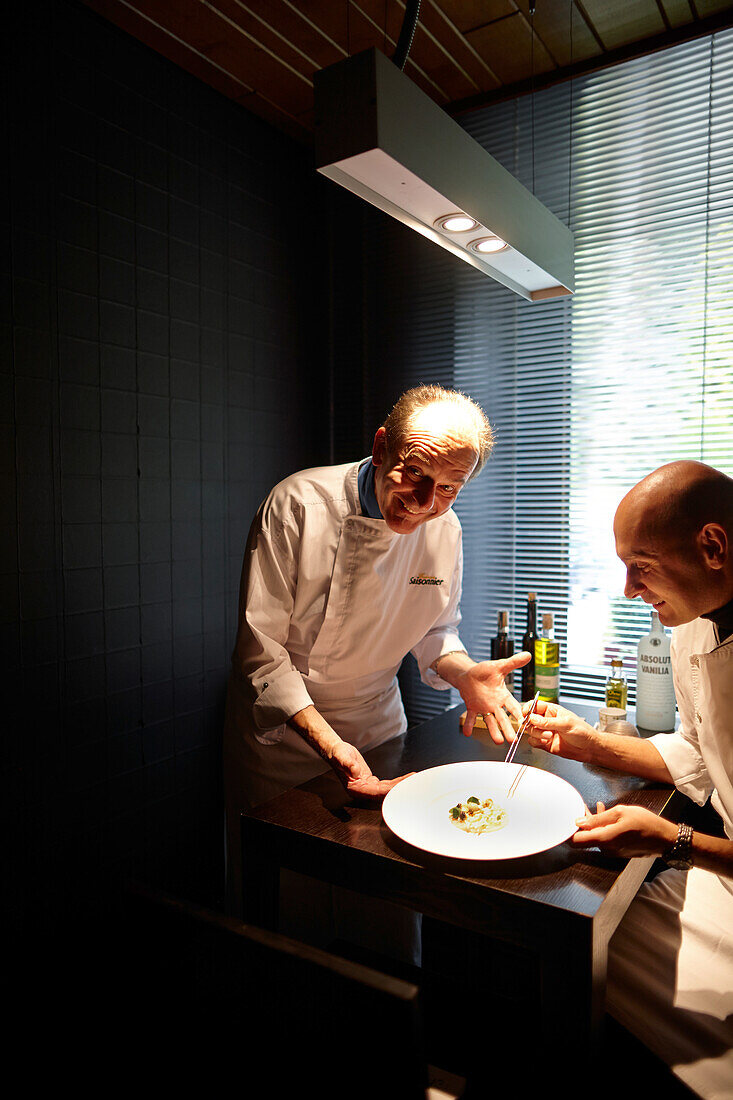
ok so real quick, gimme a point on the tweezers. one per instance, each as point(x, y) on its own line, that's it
point(513, 747)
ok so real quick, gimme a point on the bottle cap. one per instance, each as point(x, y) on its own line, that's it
point(547, 620)
point(531, 595)
point(503, 617)
point(616, 661)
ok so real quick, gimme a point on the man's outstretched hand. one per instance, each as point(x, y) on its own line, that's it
point(356, 775)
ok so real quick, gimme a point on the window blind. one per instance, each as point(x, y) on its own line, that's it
point(590, 394)
point(587, 394)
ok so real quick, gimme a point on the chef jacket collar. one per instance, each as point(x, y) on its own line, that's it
point(367, 495)
point(722, 619)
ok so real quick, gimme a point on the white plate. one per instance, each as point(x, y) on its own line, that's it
point(541, 813)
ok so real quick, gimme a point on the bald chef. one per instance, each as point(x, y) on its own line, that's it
point(670, 963)
point(348, 569)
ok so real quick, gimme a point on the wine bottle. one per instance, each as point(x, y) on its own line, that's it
point(616, 687)
point(655, 699)
point(528, 643)
point(503, 646)
point(547, 661)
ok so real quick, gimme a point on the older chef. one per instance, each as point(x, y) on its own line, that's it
point(670, 978)
point(347, 569)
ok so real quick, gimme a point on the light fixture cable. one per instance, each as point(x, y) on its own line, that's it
point(409, 25)
point(571, 123)
point(532, 7)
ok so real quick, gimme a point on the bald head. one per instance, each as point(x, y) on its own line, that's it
point(674, 532)
point(675, 501)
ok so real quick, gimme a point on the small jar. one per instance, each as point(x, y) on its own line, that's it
point(620, 726)
point(606, 715)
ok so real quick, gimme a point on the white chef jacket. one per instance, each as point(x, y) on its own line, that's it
point(699, 755)
point(670, 975)
point(331, 601)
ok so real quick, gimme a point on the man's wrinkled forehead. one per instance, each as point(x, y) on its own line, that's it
point(440, 425)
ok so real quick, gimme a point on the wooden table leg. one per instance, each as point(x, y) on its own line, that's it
point(572, 995)
point(260, 883)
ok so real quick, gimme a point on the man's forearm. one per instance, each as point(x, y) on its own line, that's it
point(633, 755)
point(451, 666)
point(315, 730)
point(713, 853)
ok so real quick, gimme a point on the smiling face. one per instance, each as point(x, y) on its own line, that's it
point(669, 574)
point(674, 533)
point(434, 460)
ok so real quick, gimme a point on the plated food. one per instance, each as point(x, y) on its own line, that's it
point(476, 816)
point(540, 813)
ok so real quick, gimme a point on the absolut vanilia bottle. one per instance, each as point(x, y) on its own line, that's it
point(655, 701)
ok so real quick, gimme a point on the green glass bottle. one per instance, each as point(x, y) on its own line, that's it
point(528, 644)
point(547, 661)
point(502, 646)
point(616, 688)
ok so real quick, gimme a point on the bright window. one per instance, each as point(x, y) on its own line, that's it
point(588, 395)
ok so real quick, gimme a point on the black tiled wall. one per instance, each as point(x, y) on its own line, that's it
point(162, 367)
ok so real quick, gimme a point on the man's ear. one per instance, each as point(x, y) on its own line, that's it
point(379, 447)
point(713, 542)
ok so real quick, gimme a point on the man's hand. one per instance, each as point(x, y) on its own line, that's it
point(348, 763)
point(356, 775)
point(484, 692)
point(625, 831)
point(560, 732)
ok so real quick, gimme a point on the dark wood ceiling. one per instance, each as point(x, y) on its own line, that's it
point(465, 53)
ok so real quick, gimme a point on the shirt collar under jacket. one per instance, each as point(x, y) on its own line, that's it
point(722, 618)
point(367, 495)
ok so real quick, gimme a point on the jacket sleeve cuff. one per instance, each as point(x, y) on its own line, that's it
point(684, 764)
point(279, 699)
point(428, 651)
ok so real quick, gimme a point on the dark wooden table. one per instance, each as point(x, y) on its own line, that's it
point(563, 904)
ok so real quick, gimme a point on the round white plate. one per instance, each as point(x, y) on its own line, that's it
point(540, 814)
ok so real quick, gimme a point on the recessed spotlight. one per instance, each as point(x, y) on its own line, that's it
point(488, 244)
point(456, 223)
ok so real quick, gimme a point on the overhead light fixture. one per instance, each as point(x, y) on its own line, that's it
point(488, 244)
point(456, 223)
point(382, 138)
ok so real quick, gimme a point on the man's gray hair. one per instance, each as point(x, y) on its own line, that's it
point(413, 401)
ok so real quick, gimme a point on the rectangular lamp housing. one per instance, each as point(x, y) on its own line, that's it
point(381, 137)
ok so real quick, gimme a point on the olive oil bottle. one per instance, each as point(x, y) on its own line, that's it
point(616, 687)
point(547, 661)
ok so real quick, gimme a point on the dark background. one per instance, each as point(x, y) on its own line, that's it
point(185, 320)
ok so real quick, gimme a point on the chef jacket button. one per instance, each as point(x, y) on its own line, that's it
point(265, 685)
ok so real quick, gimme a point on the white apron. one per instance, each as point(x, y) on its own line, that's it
point(364, 598)
point(670, 979)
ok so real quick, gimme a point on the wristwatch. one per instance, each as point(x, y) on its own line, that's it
point(679, 855)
